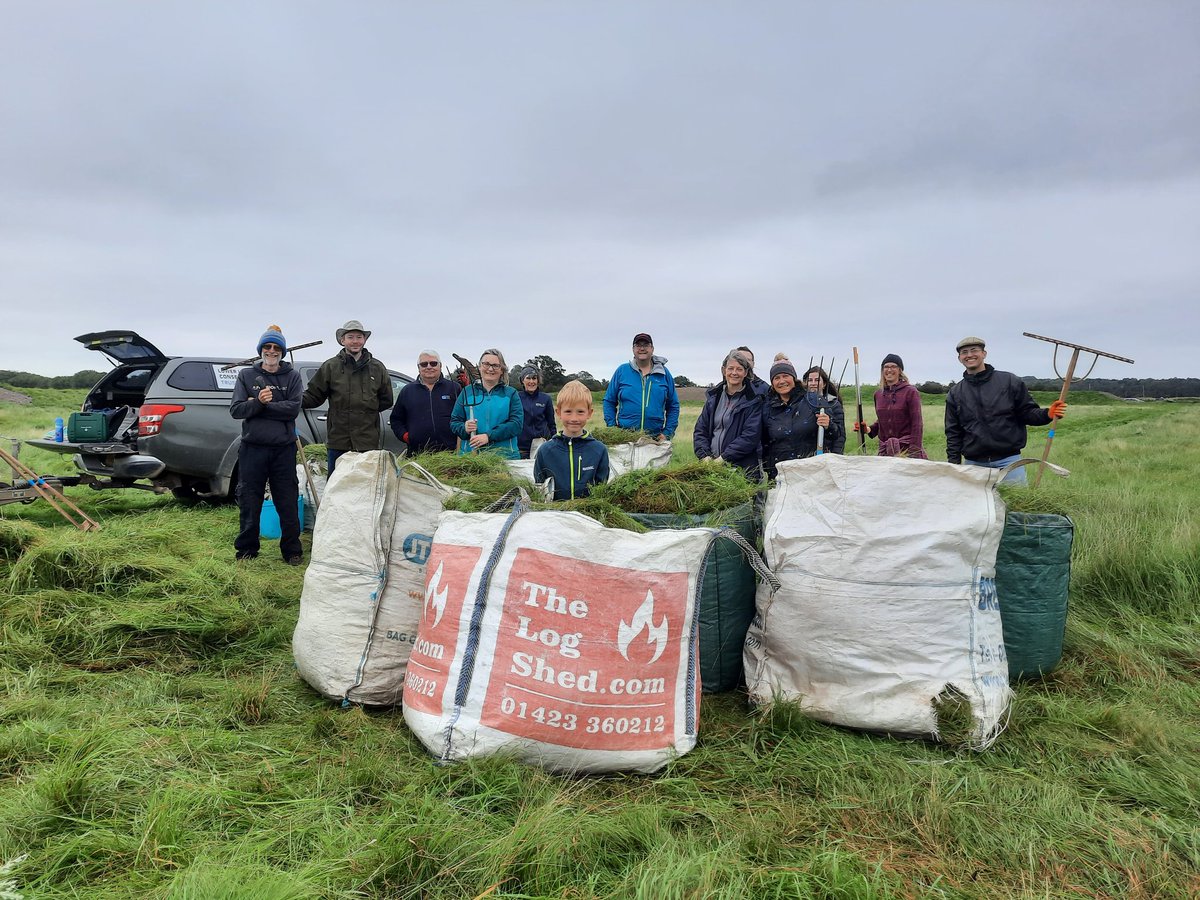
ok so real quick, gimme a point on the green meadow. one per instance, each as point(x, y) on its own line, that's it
point(155, 740)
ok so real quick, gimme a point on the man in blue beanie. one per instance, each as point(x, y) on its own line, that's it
point(266, 398)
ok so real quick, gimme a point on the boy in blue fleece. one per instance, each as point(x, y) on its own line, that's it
point(573, 458)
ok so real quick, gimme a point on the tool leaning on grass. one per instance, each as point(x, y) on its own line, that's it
point(45, 488)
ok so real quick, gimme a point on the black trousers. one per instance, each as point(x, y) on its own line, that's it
point(259, 465)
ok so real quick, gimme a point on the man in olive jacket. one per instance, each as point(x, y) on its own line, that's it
point(358, 389)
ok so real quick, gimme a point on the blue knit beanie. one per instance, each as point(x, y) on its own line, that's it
point(272, 336)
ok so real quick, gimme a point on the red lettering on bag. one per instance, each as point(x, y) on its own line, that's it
point(588, 655)
point(446, 575)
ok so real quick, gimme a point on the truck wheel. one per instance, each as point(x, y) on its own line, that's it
point(186, 495)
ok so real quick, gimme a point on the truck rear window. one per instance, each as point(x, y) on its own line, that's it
point(197, 375)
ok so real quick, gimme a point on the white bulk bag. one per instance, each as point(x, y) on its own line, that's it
point(565, 643)
point(644, 453)
point(887, 596)
point(346, 574)
point(523, 468)
point(390, 639)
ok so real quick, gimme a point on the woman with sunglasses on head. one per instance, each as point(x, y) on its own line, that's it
point(488, 415)
point(729, 428)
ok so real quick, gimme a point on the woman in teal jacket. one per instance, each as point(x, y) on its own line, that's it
point(487, 414)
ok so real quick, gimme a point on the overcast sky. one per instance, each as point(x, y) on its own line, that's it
point(552, 177)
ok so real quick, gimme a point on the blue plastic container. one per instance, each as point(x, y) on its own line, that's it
point(268, 523)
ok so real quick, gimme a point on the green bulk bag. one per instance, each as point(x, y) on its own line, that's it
point(1033, 573)
point(726, 596)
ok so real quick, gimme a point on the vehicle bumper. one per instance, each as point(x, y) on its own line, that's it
point(131, 466)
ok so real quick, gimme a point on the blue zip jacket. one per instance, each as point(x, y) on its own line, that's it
point(498, 414)
point(648, 404)
point(424, 415)
point(742, 444)
point(539, 419)
point(575, 464)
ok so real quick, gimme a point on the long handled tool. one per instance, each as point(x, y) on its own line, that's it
point(862, 432)
point(47, 492)
point(312, 488)
point(254, 359)
point(1076, 348)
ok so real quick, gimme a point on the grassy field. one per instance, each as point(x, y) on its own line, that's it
point(155, 740)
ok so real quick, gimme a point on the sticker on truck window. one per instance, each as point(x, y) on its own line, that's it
point(226, 378)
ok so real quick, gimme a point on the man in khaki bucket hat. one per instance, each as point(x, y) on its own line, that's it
point(358, 389)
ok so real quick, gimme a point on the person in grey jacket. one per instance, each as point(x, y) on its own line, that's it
point(266, 397)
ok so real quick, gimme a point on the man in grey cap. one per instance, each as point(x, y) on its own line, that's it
point(358, 389)
point(987, 413)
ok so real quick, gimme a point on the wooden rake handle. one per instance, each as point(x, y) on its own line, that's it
point(55, 498)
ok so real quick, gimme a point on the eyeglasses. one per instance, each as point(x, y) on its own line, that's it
point(433, 364)
point(484, 365)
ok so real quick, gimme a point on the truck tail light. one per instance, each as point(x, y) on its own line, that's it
point(150, 417)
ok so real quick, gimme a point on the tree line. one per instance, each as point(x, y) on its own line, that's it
point(84, 378)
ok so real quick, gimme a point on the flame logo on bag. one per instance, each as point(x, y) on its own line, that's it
point(656, 635)
point(435, 599)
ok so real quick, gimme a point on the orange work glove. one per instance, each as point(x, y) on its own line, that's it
point(1058, 409)
point(860, 426)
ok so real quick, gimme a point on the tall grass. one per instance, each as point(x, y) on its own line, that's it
point(156, 741)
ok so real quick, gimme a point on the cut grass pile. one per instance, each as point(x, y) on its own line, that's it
point(610, 435)
point(485, 476)
point(694, 488)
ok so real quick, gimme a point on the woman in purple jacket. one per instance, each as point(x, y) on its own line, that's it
point(898, 407)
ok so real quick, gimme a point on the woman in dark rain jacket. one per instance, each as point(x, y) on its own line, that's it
point(791, 417)
point(730, 425)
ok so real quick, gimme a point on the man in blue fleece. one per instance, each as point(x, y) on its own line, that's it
point(641, 394)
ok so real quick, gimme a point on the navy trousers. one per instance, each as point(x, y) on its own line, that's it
point(258, 466)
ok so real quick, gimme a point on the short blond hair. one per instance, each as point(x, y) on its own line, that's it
point(573, 392)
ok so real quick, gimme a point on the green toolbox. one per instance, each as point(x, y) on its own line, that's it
point(87, 428)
